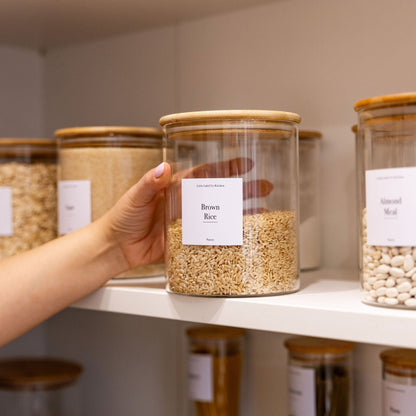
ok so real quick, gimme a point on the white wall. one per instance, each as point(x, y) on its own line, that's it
point(22, 115)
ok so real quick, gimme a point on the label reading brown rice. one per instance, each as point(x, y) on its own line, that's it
point(212, 211)
point(6, 217)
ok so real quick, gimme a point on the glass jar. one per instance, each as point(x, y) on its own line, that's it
point(399, 382)
point(214, 369)
point(39, 387)
point(27, 194)
point(387, 125)
point(232, 207)
point(319, 377)
point(309, 190)
point(97, 165)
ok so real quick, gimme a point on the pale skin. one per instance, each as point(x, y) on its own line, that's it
point(41, 282)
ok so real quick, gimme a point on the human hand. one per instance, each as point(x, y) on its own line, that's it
point(136, 222)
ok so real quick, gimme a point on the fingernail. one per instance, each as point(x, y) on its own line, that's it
point(159, 170)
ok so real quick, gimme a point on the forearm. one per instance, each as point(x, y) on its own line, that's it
point(41, 282)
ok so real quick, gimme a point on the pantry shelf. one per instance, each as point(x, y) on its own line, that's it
point(328, 305)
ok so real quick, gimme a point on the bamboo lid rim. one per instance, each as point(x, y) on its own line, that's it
point(94, 131)
point(215, 332)
point(311, 345)
point(401, 357)
point(310, 134)
point(195, 116)
point(37, 373)
point(19, 141)
point(385, 101)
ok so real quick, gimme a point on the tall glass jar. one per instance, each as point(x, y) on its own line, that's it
point(319, 377)
point(97, 165)
point(232, 207)
point(399, 382)
point(387, 125)
point(215, 356)
point(39, 387)
point(309, 194)
point(27, 194)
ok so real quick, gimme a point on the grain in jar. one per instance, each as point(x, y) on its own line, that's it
point(97, 165)
point(319, 377)
point(387, 128)
point(309, 194)
point(27, 194)
point(215, 356)
point(232, 206)
point(399, 382)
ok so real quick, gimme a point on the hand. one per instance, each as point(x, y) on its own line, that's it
point(136, 222)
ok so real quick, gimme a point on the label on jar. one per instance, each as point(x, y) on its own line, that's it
point(200, 378)
point(301, 391)
point(391, 207)
point(212, 211)
point(398, 399)
point(6, 209)
point(74, 205)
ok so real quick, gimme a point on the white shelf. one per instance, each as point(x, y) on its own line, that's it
point(328, 305)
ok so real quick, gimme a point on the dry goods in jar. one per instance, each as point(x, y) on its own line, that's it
point(265, 263)
point(33, 205)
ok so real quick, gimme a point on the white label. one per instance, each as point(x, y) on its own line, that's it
point(398, 399)
point(391, 207)
point(301, 391)
point(212, 211)
point(74, 205)
point(6, 211)
point(200, 378)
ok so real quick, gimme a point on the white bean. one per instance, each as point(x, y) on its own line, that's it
point(381, 299)
point(381, 291)
point(408, 263)
point(392, 292)
point(397, 261)
point(402, 297)
point(410, 302)
point(381, 276)
point(412, 291)
point(378, 284)
point(411, 272)
point(390, 282)
point(396, 272)
point(386, 258)
point(391, 301)
point(383, 269)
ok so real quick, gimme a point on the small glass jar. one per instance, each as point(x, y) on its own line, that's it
point(232, 207)
point(387, 126)
point(27, 194)
point(97, 165)
point(39, 387)
point(214, 369)
point(309, 195)
point(319, 377)
point(399, 382)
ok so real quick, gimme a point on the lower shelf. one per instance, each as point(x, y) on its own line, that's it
point(328, 305)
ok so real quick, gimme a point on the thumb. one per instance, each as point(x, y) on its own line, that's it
point(148, 187)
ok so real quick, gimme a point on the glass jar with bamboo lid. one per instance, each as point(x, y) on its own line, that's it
point(387, 128)
point(232, 207)
point(399, 381)
point(27, 194)
point(215, 356)
point(97, 165)
point(319, 376)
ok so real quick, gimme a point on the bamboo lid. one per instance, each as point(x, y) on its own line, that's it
point(10, 141)
point(400, 357)
point(310, 345)
point(215, 332)
point(385, 101)
point(37, 373)
point(207, 116)
point(96, 131)
point(310, 134)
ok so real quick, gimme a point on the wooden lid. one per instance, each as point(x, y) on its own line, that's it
point(354, 128)
point(95, 131)
point(206, 116)
point(385, 101)
point(400, 357)
point(37, 373)
point(11, 141)
point(310, 134)
point(310, 345)
point(215, 332)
